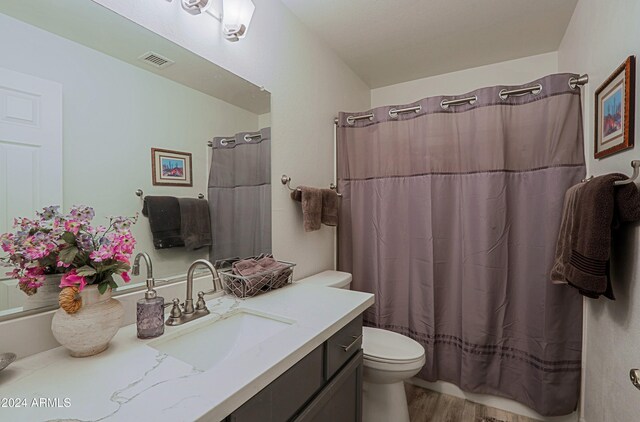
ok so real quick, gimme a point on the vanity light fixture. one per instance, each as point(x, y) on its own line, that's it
point(236, 16)
point(195, 7)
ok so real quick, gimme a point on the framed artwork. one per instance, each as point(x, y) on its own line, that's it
point(615, 110)
point(171, 168)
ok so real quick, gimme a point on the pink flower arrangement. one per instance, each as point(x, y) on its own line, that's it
point(68, 244)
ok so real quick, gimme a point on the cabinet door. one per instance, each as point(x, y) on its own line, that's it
point(341, 399)
point(281, 399)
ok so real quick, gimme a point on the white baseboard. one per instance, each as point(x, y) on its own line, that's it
point(491, 401)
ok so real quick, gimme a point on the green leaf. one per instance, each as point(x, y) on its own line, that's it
point(48, 261)
point(102, 287)
point(69, 238)
point(86, 271)
point(68, 254)
point(81, 259)
point(113, 284)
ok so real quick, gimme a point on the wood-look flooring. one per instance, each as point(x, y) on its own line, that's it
point(429, 406)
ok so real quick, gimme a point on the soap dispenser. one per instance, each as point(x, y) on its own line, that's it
point(150, 309)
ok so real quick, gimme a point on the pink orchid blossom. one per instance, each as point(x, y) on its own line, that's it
point(62, 264)
point(72, 279)
point(72, 226)
point(125, 277)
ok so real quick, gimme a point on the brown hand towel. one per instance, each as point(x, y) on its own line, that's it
point(311, 208)
point(330, 204)
point(563, 245)
point(597, 202)
point(296, 195)
point(164, 221)
point(195, 223)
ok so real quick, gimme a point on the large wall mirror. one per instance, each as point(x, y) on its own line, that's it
point(85, 95)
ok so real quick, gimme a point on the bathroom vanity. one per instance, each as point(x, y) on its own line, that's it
point(291, 354)
point(326, 385)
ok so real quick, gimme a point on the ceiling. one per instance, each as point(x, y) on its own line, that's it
point(94, 26)
point(391, 41)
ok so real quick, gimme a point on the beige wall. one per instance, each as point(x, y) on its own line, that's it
point(308, 83)
point(599, 38)
point(512, 72)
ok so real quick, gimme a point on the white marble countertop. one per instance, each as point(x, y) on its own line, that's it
point(132, 381)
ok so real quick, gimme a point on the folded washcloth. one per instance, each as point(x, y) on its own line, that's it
point(164, 220)
point(330, 204)
point(247, 267)
point(260, 275)
point(252, 284)
point(563, 246)
point(195, 224)
point(599, 204)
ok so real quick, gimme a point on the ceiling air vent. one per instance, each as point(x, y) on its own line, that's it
point(155, 60)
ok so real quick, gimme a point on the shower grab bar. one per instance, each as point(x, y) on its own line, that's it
point(139, 193)
point(636, 172)
point(458, 101)
point(286, 180)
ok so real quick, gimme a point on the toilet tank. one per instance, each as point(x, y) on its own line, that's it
point(329, 278)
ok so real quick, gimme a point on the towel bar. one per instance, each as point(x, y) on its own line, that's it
point(636, 172)
point(286, 180)
point(140, 193)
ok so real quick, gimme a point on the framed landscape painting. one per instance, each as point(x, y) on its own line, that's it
point(171, 168)
point(615, 110)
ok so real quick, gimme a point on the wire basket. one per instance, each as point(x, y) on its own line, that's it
point(255, 284)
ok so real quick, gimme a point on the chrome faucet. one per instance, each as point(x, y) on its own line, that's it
point(135, 270)
point(181, 314)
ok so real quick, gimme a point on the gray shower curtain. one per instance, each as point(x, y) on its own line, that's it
point(451, 216)
point(240, 195)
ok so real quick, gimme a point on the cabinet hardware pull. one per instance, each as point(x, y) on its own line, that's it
point(357, 339)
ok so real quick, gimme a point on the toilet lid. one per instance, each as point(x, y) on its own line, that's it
point(384, 345)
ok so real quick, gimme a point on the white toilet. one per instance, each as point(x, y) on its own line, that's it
point(389, 359)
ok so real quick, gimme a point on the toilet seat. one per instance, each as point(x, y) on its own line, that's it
point(385, 346)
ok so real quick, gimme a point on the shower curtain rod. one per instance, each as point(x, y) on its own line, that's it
point(503, 94)
point(247, 138)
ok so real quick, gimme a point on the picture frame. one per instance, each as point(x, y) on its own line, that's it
point(615, 111)
point(171, 168)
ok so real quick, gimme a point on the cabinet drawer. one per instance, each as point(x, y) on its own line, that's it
point(341, 346)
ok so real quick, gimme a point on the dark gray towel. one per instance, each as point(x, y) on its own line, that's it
point(599, 206)
point(164, 220)
point(196, 224)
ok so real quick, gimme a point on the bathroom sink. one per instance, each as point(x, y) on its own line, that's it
point(206, 344)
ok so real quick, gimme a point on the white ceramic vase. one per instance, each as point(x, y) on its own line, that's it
point(47, 294)
point(89, 331)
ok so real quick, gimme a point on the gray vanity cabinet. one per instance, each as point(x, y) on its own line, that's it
point(325, 385)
